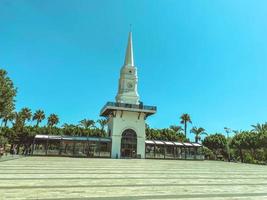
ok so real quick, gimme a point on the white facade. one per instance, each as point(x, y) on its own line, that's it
point(122, 121)
point(126, 116)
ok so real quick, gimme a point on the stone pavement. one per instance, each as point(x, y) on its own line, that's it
point(9, 157)
point(110, 179)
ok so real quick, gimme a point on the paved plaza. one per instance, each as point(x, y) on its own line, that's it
point(80, 178)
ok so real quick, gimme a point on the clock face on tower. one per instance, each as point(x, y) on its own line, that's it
point(130, 85)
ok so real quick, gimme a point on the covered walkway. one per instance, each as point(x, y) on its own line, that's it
point(55, 145)
point(97, 147)
point(156, 149)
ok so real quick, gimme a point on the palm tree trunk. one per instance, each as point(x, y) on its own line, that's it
point(18, 149)
point(253, 153)
point(241, 155)
point(185, 127)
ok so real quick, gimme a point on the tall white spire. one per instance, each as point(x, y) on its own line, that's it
point(129, 59)
point(127, 91)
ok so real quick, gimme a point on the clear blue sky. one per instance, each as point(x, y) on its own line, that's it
point(206, 58)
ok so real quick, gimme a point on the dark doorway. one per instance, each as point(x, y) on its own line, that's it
point(128, 144)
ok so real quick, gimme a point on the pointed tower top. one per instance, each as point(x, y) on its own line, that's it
point(129, 60)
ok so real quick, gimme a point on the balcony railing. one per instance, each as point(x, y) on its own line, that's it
point(134, 106)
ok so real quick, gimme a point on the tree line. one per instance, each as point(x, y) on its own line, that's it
point(176, 132)
point(20, 132)
point(248, 146)
point(19, 128)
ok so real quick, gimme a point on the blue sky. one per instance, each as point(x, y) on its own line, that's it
point(206, 58)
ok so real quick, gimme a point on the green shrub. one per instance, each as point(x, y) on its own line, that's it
point(209, 155)
point(3, 141)
point(249, 159)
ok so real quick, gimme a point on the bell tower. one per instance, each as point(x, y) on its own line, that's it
point(127, 91)
point(126, 117)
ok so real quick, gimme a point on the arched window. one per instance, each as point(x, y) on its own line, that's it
point(128, 144)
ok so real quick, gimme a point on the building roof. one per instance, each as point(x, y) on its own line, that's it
point(149, 142)
point(178, 143)
point(107, 139)
point(72, 138)
point(158, 142)
point(170, 143)
point(197, 144)
point(187, 144)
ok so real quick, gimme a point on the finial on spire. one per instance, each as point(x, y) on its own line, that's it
point(129, 60)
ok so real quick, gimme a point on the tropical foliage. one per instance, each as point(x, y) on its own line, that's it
point(244, 146)
point(165, 134)
point(250, 146)
point(52, 120)
point(20, 135)
point(216, 143)
point(7, 96)
point(185, 119)
point(87, 123)
point(19, 128)
point(39, 116)
point(198, 132)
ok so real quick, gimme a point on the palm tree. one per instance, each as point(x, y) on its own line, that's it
point(65, 125)
point(52, 120)
point(19, 126)
point(198, 132)
point(260, 128)
point(228, 130)
point(17, 122)
point(87, 123)
point(39, 116)
point(176, 129)
point(10, 117)
point(185, 118)
point(26, 114)
point(102, 123)
point(70, 129)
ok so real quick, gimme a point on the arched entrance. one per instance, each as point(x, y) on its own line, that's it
point(128, 144)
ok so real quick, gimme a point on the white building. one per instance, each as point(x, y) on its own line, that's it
point(126, 116)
